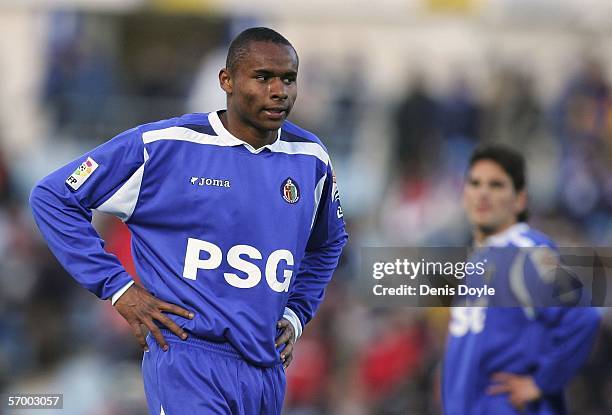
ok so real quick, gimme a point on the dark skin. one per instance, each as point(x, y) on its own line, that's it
point(261, 90)
point(287, 337)
point(139, 308)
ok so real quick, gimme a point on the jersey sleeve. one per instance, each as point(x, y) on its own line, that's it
point(572, 335)
point(571, 327)
point(108, 179)
point(327, 238)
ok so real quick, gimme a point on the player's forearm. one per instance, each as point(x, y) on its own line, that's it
point(67, 229)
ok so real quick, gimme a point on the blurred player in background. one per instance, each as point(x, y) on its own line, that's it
point(511, 360)
point(236, 230)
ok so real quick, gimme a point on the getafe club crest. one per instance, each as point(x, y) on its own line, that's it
point(290, 191)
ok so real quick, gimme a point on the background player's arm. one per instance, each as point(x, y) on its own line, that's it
point(572, 334)
point(571, 329)
point(62, 206)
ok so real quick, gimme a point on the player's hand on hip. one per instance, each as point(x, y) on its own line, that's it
point(139, 308)
point(287, 338)
point(521, 389)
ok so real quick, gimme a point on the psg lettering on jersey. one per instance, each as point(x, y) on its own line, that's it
point(235, 259)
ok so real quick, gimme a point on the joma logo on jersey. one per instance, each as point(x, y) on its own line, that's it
point(241, 258)
point(207, 181)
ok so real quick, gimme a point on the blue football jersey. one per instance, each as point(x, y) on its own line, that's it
point(240, 236)
point(512, 332)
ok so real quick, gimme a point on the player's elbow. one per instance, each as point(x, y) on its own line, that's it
point(340, 241)
point(40, 199)
point(36, 198)
point(592, 318)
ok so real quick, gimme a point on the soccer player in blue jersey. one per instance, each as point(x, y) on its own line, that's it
point(236, 230)
point(511, 360)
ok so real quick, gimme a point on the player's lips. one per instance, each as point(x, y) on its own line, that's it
point(276, 113)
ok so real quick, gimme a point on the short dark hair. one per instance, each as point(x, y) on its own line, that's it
point(511, 161)
point(240, 45)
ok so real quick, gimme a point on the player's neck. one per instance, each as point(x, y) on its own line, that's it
point(254, 137)
point(482, 233)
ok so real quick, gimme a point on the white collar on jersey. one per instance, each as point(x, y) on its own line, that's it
point(504, 237)
point(228, 139)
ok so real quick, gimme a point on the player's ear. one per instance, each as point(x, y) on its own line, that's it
point(225, 80)
point(521, 202)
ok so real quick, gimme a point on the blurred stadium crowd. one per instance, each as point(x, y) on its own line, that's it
point(400, 162)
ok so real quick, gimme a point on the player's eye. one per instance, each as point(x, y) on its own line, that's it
point(474, 182)
point(497, 184)
point(261, 78)
point(289, 80)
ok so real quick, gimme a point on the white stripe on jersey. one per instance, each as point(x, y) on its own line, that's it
point(182, 134)
point(317, 198)
point(123, 202)
point(512, 235)
point(522, 241)
point(279, 146)
point(518, 285)
point(310, 149)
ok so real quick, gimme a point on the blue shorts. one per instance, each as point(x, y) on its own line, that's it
point(196, 376)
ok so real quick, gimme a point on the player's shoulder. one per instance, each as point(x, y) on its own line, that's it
point(298, 141)
point(521, 235)
point(538, 238)
point(197, 122)
point(293, 133)
point(525, 236)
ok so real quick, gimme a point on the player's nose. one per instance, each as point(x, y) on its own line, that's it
point(278, 89)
